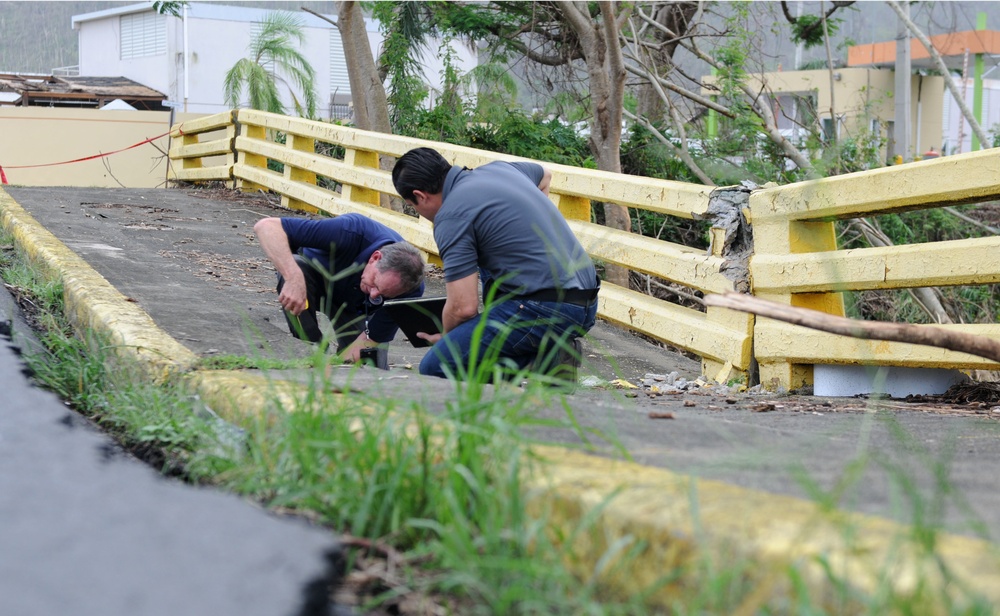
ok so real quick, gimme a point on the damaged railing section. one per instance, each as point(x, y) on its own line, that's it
point(797, 262)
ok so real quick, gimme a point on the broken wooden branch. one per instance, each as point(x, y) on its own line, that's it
point(927, 335)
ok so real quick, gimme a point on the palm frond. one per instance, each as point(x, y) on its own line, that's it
point(233, 84)
point(274, 58)
point(263, 91)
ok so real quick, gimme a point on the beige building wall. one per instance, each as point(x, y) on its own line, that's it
point(928, 95)
point(858, 94)
point(36, 144)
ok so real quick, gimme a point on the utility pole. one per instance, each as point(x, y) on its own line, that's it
point(977, 88)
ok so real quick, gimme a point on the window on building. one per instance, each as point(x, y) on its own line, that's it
point(340, 82)
point(143, 35)
point(795, 114)
point(831, 130)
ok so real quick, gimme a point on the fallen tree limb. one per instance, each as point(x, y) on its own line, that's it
point(927, 335)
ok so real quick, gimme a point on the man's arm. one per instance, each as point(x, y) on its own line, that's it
point(461, 305)
point(274, 241)
point(546, 180)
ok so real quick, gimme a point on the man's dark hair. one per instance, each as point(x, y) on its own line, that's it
point(421, 169)
point(404, 259)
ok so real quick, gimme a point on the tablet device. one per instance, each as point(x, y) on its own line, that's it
point(418, 314)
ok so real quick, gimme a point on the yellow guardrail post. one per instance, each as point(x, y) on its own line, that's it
point(782, 236)
point(294, 173)
point(573, 207)
point(190, 163)
point(355, 157)
point(259, 133)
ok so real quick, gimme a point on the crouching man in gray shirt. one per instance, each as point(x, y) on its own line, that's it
point(496, 223)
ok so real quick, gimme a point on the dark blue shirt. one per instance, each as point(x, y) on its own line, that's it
point(342, 246)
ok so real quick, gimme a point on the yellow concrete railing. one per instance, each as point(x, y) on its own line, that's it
point(202, 150)
point(796, 261)
point(721, 337)
point(794, 258)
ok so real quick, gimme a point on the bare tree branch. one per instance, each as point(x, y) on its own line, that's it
point(645, 73)
point(678, 152)
point(763, 110)
point(971, 221)
point(761, 107)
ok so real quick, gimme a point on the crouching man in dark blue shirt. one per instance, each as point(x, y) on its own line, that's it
point(344, 267)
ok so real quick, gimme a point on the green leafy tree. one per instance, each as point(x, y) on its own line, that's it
point(405, 28)
point(809, 29)
point(169, 8)
point(274, 60)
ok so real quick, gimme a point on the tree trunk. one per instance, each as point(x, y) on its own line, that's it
point(371, 108)
point(602, 53)
point(675, 17)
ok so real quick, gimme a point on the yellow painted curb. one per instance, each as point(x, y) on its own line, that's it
point(678, 519)
point(91, 302)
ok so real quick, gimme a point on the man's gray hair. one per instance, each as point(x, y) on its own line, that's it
point(404, 259)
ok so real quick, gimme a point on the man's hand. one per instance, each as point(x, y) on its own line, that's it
point(293, 296)
point(352, 354)
point(431, 338)
point(274, 241)
point(546, 180)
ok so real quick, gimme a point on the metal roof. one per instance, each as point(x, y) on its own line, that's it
point(82, 91)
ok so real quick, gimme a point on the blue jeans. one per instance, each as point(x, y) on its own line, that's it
point(512, 333)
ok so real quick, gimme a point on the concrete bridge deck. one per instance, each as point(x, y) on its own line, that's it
point(189, 259)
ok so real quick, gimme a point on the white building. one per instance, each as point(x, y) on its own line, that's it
point(187, 57)
point(958, 133)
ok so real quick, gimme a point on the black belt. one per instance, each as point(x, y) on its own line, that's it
point(579, 297)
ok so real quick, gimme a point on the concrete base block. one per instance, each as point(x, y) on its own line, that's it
point(837, 380)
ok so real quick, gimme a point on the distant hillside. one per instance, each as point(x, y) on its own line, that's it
point(36, 37)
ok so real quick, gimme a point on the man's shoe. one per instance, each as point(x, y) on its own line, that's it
point(567, 361)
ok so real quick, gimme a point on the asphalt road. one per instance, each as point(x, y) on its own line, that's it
point(190, 260)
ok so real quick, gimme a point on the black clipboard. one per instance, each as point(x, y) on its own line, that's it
point(418, 314)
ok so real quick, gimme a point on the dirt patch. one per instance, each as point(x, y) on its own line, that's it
point(224, 270)
point(30, 311)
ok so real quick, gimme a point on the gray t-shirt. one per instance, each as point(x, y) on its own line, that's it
point(495, 218)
